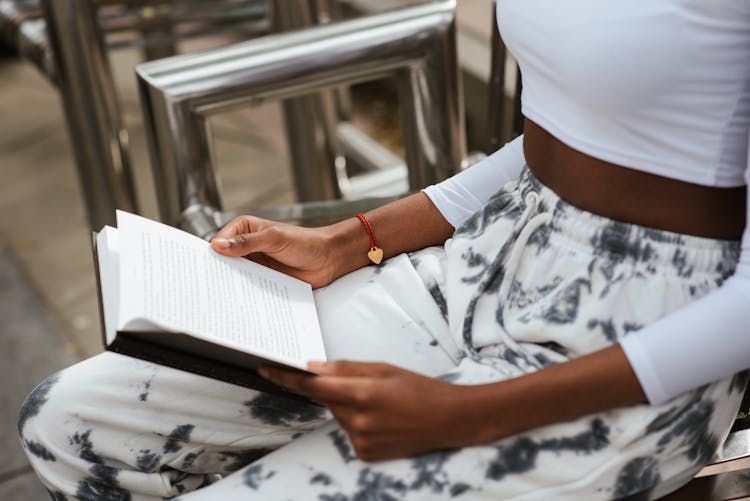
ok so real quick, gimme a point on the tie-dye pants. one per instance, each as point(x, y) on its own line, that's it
point(529, 281)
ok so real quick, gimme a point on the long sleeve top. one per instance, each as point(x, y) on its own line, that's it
point(662, 87)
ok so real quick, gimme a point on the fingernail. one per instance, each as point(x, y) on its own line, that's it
point(222, 243)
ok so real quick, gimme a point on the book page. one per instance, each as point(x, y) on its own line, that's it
point(107, 246)
point(176, 281)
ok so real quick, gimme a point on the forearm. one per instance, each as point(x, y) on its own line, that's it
point(415, 222)
point(592, 383)
point(405, 225)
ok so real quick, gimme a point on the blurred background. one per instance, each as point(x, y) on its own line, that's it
point(49, 315)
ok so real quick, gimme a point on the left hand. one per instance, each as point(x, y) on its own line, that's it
point(388, 412)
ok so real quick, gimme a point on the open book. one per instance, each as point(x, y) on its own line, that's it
point(168, 298)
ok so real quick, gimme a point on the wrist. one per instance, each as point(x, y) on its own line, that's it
point(472, 414)
point(493, 411)
point(490, 417)
point(348, 243)
point(591, 383)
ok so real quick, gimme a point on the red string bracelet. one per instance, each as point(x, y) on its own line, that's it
point(376, 253)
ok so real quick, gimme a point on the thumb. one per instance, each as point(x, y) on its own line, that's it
point(244, 243)
point(349, 368)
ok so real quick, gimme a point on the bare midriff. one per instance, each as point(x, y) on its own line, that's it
point(633, 196)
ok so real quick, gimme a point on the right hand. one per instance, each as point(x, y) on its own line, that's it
point(303, 253)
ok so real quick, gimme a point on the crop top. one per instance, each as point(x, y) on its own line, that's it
point(662, 87)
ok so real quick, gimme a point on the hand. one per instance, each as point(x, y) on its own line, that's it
point(303, 253)
point(387, 412)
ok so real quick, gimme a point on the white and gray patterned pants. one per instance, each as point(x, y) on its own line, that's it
point(529, 281)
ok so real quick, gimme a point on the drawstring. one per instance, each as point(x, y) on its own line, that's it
point(527, 227)
point(508, 260)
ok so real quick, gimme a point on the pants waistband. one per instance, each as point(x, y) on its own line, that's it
point(622, 240)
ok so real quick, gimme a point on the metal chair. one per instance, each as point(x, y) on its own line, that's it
point(68, 40)
point(415, 45)
point(504, 119)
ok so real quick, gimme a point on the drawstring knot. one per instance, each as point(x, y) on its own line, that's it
point(524, 227)
point(507, 262)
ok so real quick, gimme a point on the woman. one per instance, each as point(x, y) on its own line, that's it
point(584, 321)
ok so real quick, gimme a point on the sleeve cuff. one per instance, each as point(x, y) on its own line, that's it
point(644, 369)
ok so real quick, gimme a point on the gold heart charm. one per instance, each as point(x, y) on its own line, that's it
point(375, 254)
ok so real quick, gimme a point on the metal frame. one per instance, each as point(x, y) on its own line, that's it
point(504, 119)
point(415, 45)
point(69, 46)
point(74, 57)
point(309, 120)
point(97, 132)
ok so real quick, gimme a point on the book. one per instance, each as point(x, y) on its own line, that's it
point(167, 297)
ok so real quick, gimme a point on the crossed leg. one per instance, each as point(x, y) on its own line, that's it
point(113, 427)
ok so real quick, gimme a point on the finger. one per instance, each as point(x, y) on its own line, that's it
point(297, 382)
point(384, 450)
point(294, 381)
point(325, 389)
point(351, 368)
point(264, 240)
point(238, 225)
point(234, 245)
point(343, 414)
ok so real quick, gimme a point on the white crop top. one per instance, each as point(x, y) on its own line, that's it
point(659, 86)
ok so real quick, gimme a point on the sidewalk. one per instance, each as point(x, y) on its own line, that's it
point(33, 213)
point(34, 347)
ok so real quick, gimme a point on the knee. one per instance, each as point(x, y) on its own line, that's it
point(56, 445)
point(35, 407)
point(36, 423)
point(63, 398)
point(48, 409)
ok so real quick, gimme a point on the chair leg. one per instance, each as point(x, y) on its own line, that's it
point(99, 138)
point(698, 489)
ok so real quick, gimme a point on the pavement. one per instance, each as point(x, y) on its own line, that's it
point(36, 344)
